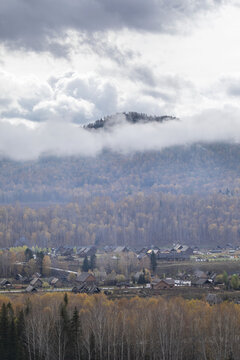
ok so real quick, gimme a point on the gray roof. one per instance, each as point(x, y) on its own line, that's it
point(30, 288)
point(4, 282)
point(120, 249)
point(54, 281)
point(203, 281)
point(167, 281)
point(34, 281)
point(83, 276)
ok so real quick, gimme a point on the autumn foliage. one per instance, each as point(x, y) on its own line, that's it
point(138, 220)
point(54, 326)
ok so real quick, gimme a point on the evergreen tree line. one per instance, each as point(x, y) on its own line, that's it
point(86, 327)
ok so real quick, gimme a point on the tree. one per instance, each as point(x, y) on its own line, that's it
point(144, 277)
point(235, 281)
point(65, 299)
point(28, 254)
point(75, 334)
point(4, 331)
point(46, 264)
point(225, 279)
point(153, 261)
point(120, 278)
point(92, 262)
point(141, 279)
point(71, 277)
point(85, 266)
point(31, 267)
point(20, 329)
point(40, 256)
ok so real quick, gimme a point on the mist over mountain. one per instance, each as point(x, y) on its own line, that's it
point(198, 167)
point(120, 134)
point(188, 193)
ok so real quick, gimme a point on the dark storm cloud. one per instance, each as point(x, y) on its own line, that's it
point(36, 24)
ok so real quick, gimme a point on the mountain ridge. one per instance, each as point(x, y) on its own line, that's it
point(130, 117)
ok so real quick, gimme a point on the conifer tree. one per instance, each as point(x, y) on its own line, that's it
point(4, 331)
point(85, 266)
point(20, 332)
point(93, 262)
point(75, 335)
point(153, 261)
point(65, 299)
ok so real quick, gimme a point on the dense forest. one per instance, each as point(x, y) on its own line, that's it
point(197, 169)
point(96, 328)
point(141, 219)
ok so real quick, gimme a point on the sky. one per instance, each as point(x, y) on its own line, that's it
point(65, 63)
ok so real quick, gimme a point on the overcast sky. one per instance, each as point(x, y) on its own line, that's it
point(64, 63)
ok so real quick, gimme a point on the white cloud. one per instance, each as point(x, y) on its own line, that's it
point(62, 139)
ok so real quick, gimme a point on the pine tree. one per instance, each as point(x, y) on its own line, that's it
point(20, 331)
point(141, 279)
point(93, 262)
point(65, 331)
point(4, 332)
point(40, 256)
point(65, 299)
point(153, 261)
point(12, 341)
point(28, 254)
point(75, 334)
point(85, 266)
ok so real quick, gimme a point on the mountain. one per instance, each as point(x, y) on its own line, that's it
point(197, 169)
point(188, 194)
point(130, 117)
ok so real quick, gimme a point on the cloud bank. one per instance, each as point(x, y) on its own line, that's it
point(20, 142)
point(38, 25)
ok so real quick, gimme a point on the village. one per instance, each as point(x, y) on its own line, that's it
point(121, 271)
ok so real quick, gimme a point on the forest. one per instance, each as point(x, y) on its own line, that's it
point(188, 194)
point(63, 327)
point(137, 220)
point(201, 169)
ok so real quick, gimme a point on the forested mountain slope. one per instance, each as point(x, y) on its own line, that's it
point(188, 194)
point(136, 220)
point(199, 168)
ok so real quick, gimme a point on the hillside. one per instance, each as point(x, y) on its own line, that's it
point(200, 168)
point(184, 194)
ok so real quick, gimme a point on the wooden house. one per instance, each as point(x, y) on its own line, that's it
point(36, 282)
point(86, 277)
point(203, 283)
point(31, 289)
point(4, 284)
point(164, 284)
point(55, 282)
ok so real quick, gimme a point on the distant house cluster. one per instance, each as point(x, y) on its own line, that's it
point(80, 251)
point(176, 253)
